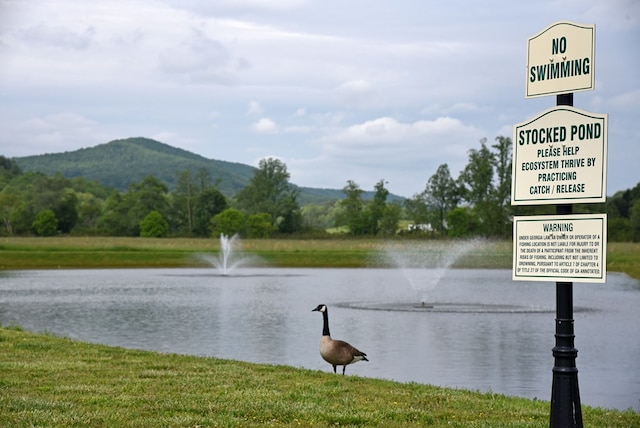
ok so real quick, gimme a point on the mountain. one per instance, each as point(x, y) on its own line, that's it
point(119, 163)
point(122, 162)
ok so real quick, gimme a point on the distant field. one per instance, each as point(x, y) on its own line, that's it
point(118, 252)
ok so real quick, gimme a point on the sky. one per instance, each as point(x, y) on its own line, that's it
point(337, 90)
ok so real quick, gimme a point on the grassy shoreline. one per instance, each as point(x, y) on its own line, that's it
point(51, 381)
point(116, 252)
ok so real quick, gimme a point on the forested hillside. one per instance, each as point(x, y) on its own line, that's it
point(140, 187)
point(121, 163)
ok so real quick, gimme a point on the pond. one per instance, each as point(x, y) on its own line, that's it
point(477, 329)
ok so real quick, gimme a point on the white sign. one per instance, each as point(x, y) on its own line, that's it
point(560, 248)
point(560, 157)
point(560, 59)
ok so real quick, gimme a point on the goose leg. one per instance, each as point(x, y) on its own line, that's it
point(334, 368)
point(343, 369)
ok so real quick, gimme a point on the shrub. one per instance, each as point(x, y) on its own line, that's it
point(45, 223)
point(154, 226)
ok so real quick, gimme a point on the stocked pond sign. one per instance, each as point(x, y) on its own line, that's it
point(560, 248)
point(560, 59)
point(560, 156)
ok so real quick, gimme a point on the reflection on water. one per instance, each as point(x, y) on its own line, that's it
point(498, 339)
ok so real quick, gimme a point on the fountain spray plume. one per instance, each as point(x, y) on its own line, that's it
point(227, 259)
point(424, 263)
point(226, 251)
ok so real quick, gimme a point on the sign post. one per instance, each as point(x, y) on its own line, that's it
point(560, 158)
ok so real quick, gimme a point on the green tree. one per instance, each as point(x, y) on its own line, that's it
point(269, 191)
point(66, 211)
point(352, 208)
point(485, 186)
point(259, 225)
point(184, 197)
point(376, 209)
point(209, 202)
point(10, 205)
point(619, 230)
point(123, 213)
point(89, 211)
point(229, 222)
point(634, 220)
point(318, 216)
point(9, 166)
point(477, 177)
point(154, 226)
point(501, 195)
point(462, 222)
point(441, 195)
point(114, 220)
point(45, 223)
point(148, 195)
point(417, 208)
point(194, 202)
point(390, 219)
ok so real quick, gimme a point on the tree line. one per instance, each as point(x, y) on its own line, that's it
point(476, 203)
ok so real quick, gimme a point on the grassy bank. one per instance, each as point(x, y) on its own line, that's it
point(117, 252)
point(108, 252)
point(49, 381)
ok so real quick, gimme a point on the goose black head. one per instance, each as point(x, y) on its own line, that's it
point(320, 308)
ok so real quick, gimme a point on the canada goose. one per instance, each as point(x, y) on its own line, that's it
point(336, 352)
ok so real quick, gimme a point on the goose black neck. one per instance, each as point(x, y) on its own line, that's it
point(325, 326)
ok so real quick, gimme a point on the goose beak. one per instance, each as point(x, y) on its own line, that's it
point(313, 310)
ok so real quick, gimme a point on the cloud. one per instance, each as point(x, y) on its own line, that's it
point(627, 100)
point(254, 108)
point(298, 129)
point(213, 8)
point(51, 133)
point(391, 138)
point(200, 59)
point(264, 126)
point(405, 154)
point(58, 36)
point(356, 93)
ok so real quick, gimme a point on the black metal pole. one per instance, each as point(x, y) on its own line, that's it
point(566, 410)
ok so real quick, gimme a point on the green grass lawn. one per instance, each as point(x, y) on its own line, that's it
point(48, 381)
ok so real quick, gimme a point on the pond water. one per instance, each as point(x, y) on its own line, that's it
point(479, 329)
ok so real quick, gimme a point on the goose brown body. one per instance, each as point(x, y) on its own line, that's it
point(336, 352)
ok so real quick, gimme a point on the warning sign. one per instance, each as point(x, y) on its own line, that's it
point(560, 248)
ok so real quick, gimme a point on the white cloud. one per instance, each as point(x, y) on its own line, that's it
point(298, 129)
point(626, 100)
point(356, 93)
point(255, 108)
point(52, 133)
point(405, 154)
point(264, 126)
point(388, 134)
point(200, 59)
point(58, 36)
